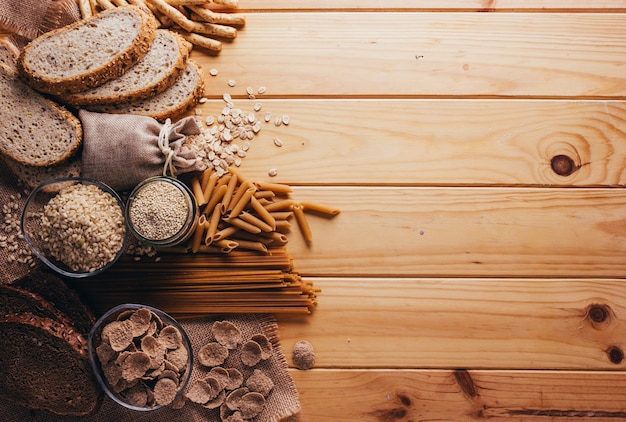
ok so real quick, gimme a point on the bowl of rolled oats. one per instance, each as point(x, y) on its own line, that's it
point(75, 225)
point(141, 356)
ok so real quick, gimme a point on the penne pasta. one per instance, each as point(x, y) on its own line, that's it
point(305, 229)
point(244, 225)
point(323, 209)
point(211, 226)
point(251, 245)
point(284, 204)
point(225, 232)
point(242, 203)
point(281, 215)
point(274, 187)
point(268, 194)
point(209, 186)
point(230, 190)
point(197, 191)
point(205, 176)
point(263, 213)
point(215, 198)
point(249, 218)
point(198, 233)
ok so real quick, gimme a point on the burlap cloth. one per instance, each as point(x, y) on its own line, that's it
point(29, 18)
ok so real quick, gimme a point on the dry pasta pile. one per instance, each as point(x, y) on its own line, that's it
point(193, 19)
point(239, 214)
point(186, 285)
point(235, 262)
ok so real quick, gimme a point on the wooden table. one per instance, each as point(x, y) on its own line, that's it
point(477, 151)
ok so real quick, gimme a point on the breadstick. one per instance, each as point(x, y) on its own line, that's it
point(120, 3)
point(105, 4)
point(233, 4)
point(191, 26)
point(210, 16)
point(201, 41)
point(85, 9)
point(185, 2)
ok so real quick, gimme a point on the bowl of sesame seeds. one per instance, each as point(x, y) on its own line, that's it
point(75, 225)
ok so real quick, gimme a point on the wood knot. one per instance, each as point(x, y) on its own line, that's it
point(598, 314)
point(563, 165)
point(615, 354)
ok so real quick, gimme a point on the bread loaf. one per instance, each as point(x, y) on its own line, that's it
point(154, 73)
point(43, 365)
point(35, 131)
point(89, 52)
point(174, 101)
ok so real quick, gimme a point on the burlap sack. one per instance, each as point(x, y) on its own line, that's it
point(121, 150)
point(31, 18)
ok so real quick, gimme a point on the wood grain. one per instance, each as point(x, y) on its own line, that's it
point(407, 323)
point(460, 395)
point(437, 143)
point(438, 5)
point(431, 54)
point(491, 232)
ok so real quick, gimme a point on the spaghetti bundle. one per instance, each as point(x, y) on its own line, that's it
point(187, 285)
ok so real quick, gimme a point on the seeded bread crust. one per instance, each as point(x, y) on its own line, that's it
point(35, 131)
point(89, 52)
point(174, 101)
point(154, 73)
point(43, 365)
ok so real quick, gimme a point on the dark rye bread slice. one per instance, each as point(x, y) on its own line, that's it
point(55, 291)
point(88, 52)
point(35, 130)
point(18, 301)
point(154, 73)
point(44, 365)
point(174, 101)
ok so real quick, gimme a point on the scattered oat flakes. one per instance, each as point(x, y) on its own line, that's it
point(232, 83)
point(278, 142)
point(272, 172)
point(213, 72)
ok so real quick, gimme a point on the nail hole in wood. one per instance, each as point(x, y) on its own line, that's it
point(563, 165)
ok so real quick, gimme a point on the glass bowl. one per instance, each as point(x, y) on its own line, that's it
point(161, 211)
point(127, 376)
point(84, 239)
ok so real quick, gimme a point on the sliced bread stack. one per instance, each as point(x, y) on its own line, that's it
point(43, 359)
point(116, 62)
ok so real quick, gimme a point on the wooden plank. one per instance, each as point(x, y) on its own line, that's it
point(483, 232)
point(425, 395)
point(431, 54)
point(441, 143)
point(437, 5)
point(470, 323)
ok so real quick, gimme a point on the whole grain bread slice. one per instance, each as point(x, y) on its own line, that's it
point(155, 72)
point(32, 176)
point(35, 130)
point(8, 53)
point(44, 365)
point(174, 101)
point(88, 52)
point(14, 300)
